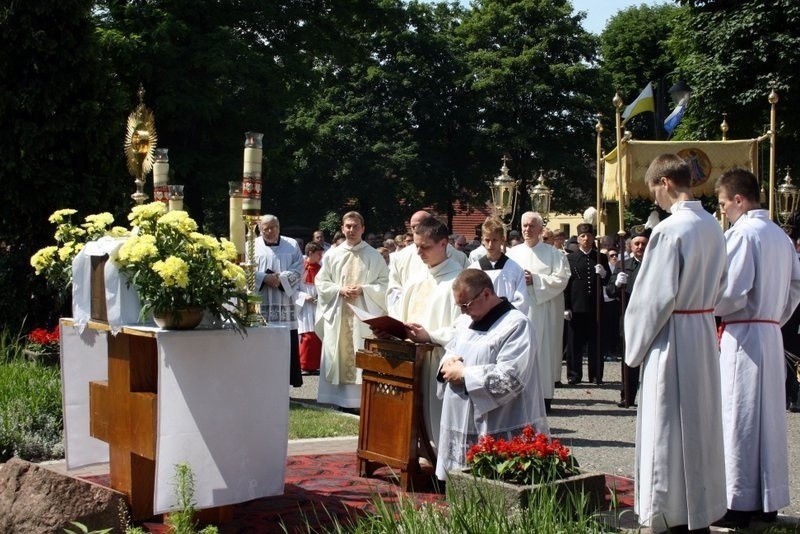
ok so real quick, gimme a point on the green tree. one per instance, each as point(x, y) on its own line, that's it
point(60, 106)
point(634, 51)
point(535, 92)
point(731, 53)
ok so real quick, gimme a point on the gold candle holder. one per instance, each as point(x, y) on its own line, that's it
point(253, 315)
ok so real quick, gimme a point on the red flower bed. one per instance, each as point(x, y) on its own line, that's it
point(528, 458)
point(43, 340)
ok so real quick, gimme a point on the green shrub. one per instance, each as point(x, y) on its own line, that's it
point(31, 424)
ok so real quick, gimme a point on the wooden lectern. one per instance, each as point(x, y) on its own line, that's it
point(392, 427)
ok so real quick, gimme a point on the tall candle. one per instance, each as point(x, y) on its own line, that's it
point(176, 204)
point(251, 173)
point(161, 175)
point(236, 224)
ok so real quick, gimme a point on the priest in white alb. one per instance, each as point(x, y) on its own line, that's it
point(279, 264)
point(546, 275)
point(762, 293)
point(352, 273)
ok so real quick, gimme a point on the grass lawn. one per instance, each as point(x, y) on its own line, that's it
point(308, 422)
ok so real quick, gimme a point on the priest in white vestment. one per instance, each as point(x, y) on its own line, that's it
point(429, 312)
point(278, 265)
point(763, 292)
point(406, 266)
point(670, 331)
point(487, 378)
point(546, 275)
point(353, 273)
point(506, 275)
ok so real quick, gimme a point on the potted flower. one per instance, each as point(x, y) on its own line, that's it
point(54, 262)
point(42, 345)
point(509, 470)
point(179, 272)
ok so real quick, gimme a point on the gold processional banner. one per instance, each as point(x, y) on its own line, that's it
point(707, 159)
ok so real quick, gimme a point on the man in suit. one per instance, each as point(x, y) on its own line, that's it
point(588, 274)
point(620, 287)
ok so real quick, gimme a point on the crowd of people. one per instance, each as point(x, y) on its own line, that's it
point(503, 316)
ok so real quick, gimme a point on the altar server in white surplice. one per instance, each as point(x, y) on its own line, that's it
point(546, 275)
point(506, 275)
point(763, 291)
point(670, 332)
point(428, 310)
point(354, 273)
point(406, 265)
point(279, 264)
point(487, 378)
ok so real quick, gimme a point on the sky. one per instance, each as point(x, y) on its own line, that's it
point(599, 11)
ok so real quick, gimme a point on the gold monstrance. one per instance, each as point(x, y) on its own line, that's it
point(140, 145)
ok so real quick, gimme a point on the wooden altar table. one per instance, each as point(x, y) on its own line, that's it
point(206, 397)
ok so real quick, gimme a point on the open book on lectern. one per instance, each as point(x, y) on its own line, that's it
point(390, 325)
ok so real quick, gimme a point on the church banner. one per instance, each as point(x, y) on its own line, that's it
point(707, 160)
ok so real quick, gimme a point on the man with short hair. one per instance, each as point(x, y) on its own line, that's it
point(546, 275)
point(588, 274)
point(670, 331)
point(428, 310)
point(278, 265)
point(353, 273)
point(406, 265)
point(621, 286)
point(318, 237)
point(762, 293)
point(487, 378)
point(506, 275)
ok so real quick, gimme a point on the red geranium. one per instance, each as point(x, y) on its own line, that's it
point(528, 458)
point(43, 340)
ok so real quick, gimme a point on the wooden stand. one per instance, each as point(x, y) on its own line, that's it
point(392, 428)
point(123, 413)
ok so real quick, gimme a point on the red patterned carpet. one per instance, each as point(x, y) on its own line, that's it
point(324, 488)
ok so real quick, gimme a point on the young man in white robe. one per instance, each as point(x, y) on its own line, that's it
point(546, 275)
point(353, 273)
point(428, 310)
point(278, 266)
point(762, 293)
point(670, 331)
point(406, 265)
point(506, 275)
point(487, 378)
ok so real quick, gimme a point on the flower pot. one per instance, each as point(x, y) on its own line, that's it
point(464, 485)
point(180, 319)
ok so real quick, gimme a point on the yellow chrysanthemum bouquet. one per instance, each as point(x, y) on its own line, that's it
point(55, 262)
point(171, 265)
point(174, 267)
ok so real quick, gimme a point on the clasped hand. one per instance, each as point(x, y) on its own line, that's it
point(350, 292)
point(453, 370)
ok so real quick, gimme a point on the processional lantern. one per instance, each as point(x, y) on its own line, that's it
point(504, 193)
point(540, 197)
point(786, 201)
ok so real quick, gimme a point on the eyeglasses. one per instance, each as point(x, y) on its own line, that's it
point(465, 307)
point(612, 255)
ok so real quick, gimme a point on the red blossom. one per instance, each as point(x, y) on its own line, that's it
point(43, 337)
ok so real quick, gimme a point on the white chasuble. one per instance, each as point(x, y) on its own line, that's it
point(428, 301)
point(341, 333)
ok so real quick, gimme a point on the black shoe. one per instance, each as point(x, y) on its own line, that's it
point(765, 517)
point(734, 519)
point(598, 382)
point(310, 373)
point(559, 384)
point(573, 382)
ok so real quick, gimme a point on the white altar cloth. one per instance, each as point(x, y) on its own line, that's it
point(223, 408)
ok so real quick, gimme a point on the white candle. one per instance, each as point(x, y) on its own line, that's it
point(236, 224)
point(252, 160)
point(176, 204)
